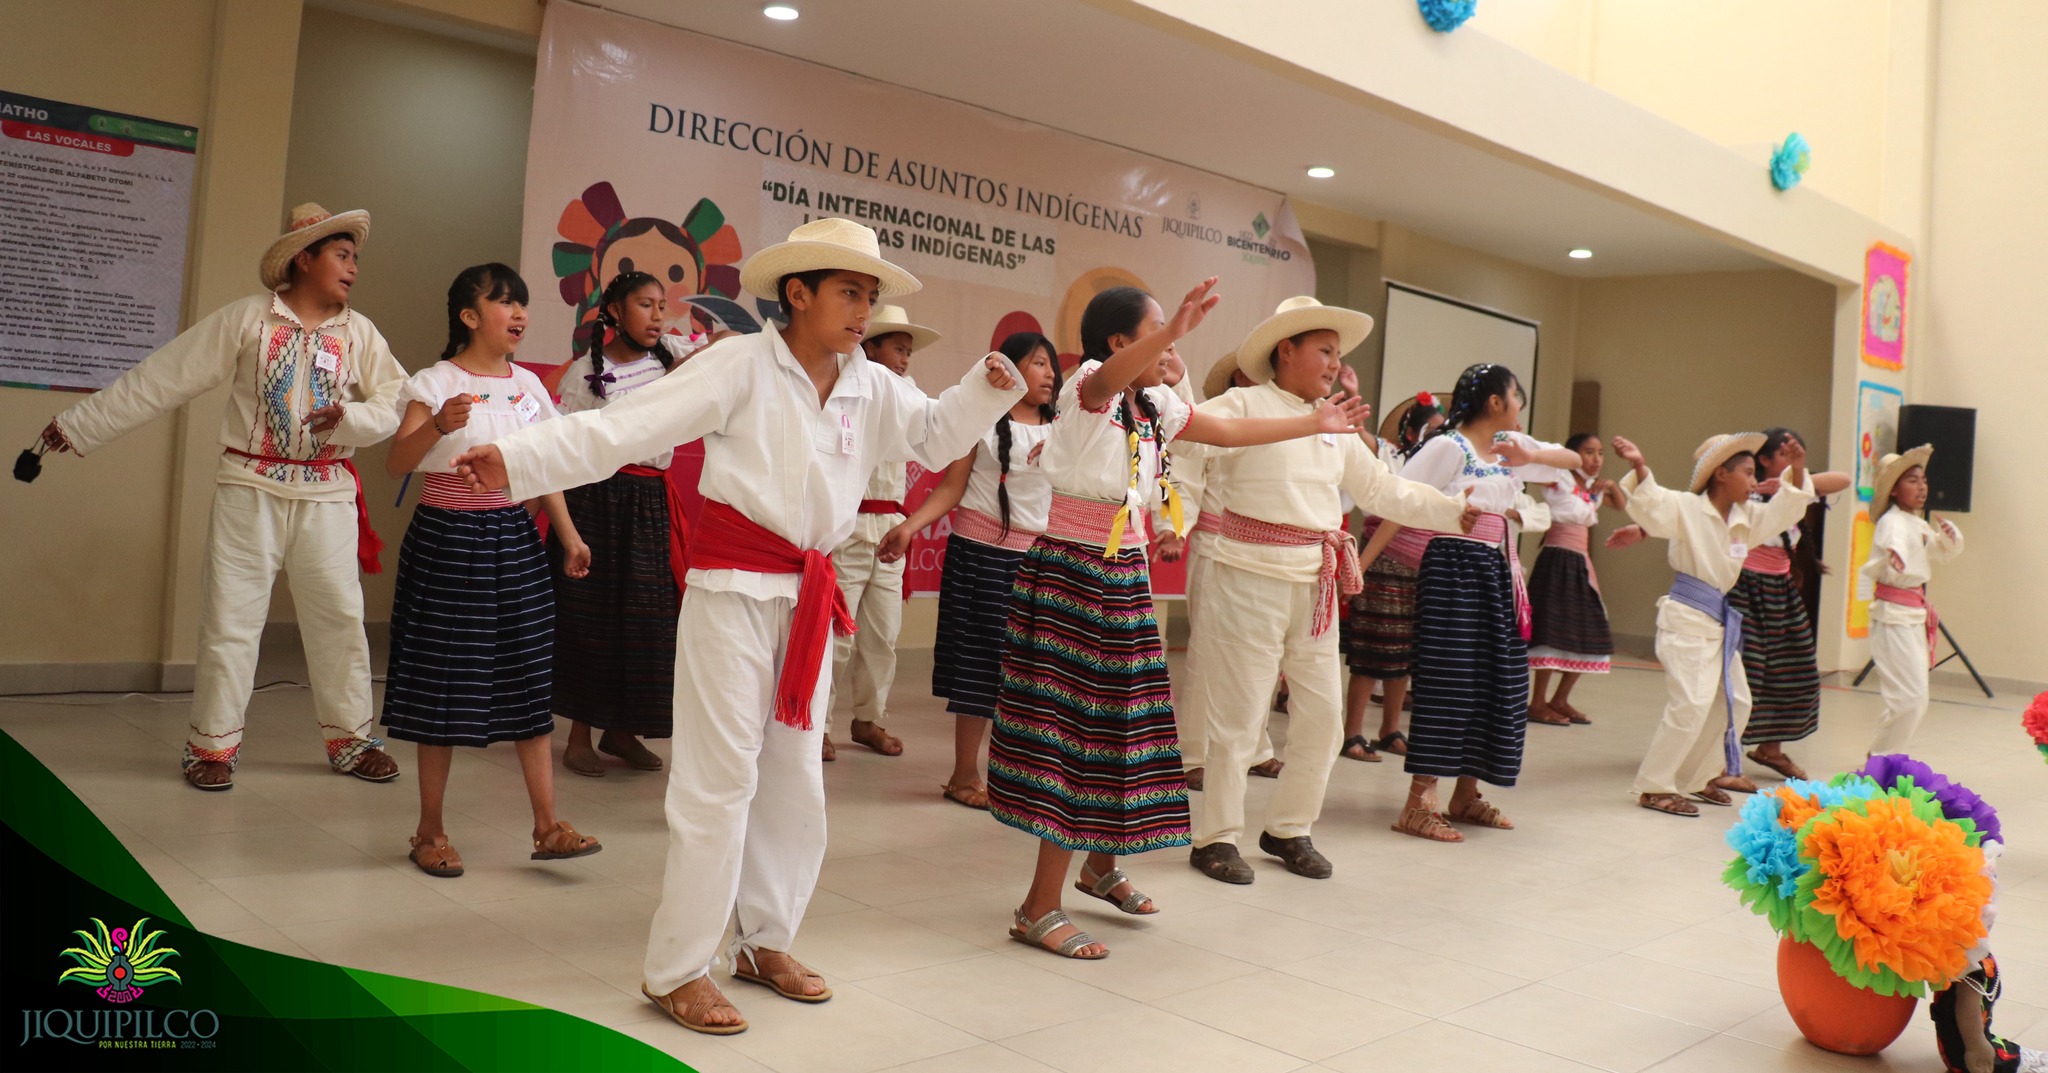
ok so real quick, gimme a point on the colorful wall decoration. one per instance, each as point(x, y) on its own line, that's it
point(1859, 550)
point(1877, 430)
point(1884, 306)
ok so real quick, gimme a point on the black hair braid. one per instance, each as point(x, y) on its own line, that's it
point(1018, 347)
point(1150, 411)
point(1475, 386)
point(1410, 431)
point(622, 285)
point(1003, 460)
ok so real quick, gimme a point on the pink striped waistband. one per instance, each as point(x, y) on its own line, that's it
point(1339, 574)
point(1770, 559)
point(986, 529)
point(1089, 521)
point(1568, 536)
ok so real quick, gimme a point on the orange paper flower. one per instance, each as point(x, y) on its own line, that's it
point(1906, 894)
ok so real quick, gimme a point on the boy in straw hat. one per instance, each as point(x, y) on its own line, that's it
point(312, 381)
point(1699, 636)
point(1903, 627)
point(793, 422)
point(873, 588)
point(1280, 561)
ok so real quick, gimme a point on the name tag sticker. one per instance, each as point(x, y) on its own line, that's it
point(527, 407)
point(1738, 550)
point(1329, 439)
point(847, 441)
point(325, 361)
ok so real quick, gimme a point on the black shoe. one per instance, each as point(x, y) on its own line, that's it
point(1219, 860)
point(1299, 854)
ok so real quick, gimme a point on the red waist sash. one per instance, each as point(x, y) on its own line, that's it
point(1339, 574)
point(729, 540)
point(881, 506)
point(678, 525)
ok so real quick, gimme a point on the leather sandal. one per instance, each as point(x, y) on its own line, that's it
point(1033, 933)
point(827, 752)
point(1736, 783)
point(1298, 854)
point(1426, 824)
point(1132, 903)
point(689, 1012)
point(971, 796)
point(1371, 756)
point(435, 857)
point(211, 775)
point(636, 754)
point(1396, 743)
point(1544, 714)
point(562, 843)
point(1221, 861)
point(1194, 778)
point(584, 764)
point(780, 973)
point(1480, 813)
point(1267, 770)
point(1714, 795)
point(1669, 804)
point(373, 765)
point(1781, 764)
point(865, 732)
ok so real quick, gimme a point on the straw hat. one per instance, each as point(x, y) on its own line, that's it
point(309, 224)
point(887, 319)
point(1220, 376)
point(828, 243)
point(1716, 452)
point(1390, 427)
point(1888, 473)
point(1293, 317)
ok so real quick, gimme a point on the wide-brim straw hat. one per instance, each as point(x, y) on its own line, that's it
point(1717, 450)
point(830, 243)
point(1390, 426)
point(309, 223)
point(1219, 379)
point(889, 319)
point(1293, 317)
point(1888, 473)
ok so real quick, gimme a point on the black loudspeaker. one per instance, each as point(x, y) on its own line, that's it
point(1953, 432)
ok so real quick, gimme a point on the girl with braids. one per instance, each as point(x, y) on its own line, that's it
point(473, 619)
point(1471, 663)
point(1569, 634)
point(998, 496)
point(615, 645)
point(1778, 647)
point(1084, 754)
point(1379, 633)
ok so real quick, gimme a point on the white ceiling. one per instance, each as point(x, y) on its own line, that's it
point(1080, 68)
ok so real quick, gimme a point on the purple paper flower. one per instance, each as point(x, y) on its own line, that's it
point(1957, 801)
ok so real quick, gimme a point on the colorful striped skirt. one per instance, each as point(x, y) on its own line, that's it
point(1379, 633)
point(615, 651)
point(1570, 631)
point(1778, 657)
point(1084, 753)
point(1471, 666)
point(974, 615)
point(472, 630)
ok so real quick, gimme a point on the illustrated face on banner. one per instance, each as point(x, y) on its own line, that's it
point(659, 249)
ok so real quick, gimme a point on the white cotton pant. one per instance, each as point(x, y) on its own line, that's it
point(866, 661)
point(1900, 651)
point(746, 793)
point(1688, 750)
point(1251, 629)
point(1194, 734)
point(251, 535)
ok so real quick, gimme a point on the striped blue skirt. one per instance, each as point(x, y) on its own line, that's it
point(974, 612)
point(1471, 677)
point(472, 630)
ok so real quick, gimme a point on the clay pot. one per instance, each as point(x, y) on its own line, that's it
point(1832, 1013)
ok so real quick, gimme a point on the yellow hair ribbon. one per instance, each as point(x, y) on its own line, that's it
point(1174, 514)
point(1116, 532)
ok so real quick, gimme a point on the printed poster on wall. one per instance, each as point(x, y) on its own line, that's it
point(1884, 306)
point(682, 154)
point(93, 213)
point(1877, 431)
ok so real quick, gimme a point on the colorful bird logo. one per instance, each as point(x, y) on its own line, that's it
point(116, 968)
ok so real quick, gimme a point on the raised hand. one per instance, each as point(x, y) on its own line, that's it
point(55, 440)
point(1346, 413)
point(1193, 308)
point(482, 468)
point(1347, 379)
point(453, 414)
point(999, 375)
point(1628, 451)
point(1768, 487)
point(1625, 536)
point(1513, 452)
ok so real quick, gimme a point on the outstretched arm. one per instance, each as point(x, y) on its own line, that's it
point(200, 358)
point(943, 498)
point(1342, 418)
point(1119, 369)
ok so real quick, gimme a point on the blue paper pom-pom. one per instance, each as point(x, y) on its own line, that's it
point(1790, 161)
point(1443, 16)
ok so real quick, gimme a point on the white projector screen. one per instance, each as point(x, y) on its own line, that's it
point(1431, 339)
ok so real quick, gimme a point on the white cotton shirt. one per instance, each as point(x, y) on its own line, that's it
point(1702, 543)
point(1299, 483)
point(627, 377)
point(1919, 545)
point(1568, 506)
point(279, 370)
point(1030, 489)
point(500, 406)
point(1088, 452)
point(1447, 462)
point(770, 450)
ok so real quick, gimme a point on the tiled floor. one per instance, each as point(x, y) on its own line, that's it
point(1597, 936)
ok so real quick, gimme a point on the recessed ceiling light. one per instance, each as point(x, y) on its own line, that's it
point(780, 12)
point(1580, 254)
point(1320, 172)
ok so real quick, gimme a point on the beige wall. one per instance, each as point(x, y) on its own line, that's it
point(1981, 344)
point(1680, 358)
point(445, 124)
